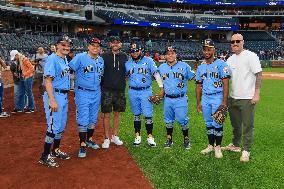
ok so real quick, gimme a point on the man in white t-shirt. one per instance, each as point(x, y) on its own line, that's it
point(246, 76)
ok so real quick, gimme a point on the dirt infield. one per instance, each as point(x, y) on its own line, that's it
point(273, 75)
point(22, 137)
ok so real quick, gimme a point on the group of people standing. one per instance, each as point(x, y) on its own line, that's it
point(100, 81)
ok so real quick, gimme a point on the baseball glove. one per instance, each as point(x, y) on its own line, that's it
point(155, 99)
point(220, 115)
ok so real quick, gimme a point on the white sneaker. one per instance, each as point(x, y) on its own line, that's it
point(106, 143)
point(207, 150)
point(231, 147)
point(137, 141)
point(245, 156)
point(4, 114)
point(218, 152)
point(115, 139)
point(151, 142)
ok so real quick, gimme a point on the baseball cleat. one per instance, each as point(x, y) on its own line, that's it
point(115, 139)
point(82, 152)
point(231, 147)
point(186, 144)
point(151, 142)
point(168, 144)
point(60, 154)
point(218, 152)
point(207, 150)
point(4, 114)
point(106, 143)
point(137, 141)
point(92, 144)
point(48, 161)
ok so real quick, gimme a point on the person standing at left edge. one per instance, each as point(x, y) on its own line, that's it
point(55, 98)
point(212, 86)
point(88, 68)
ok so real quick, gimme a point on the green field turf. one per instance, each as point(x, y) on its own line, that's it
point(177, 168)
point(273, 70)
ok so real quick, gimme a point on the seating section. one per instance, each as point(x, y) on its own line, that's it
point(162, 18)
point(219, 21)
point(257, 36)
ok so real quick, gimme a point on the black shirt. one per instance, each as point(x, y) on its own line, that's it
point(114, 72)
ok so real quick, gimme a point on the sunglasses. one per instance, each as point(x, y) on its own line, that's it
point(235, 41)
point(134, 50)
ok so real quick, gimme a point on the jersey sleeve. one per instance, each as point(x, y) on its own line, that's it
point(254, 63)
point(152, 66)
point(224, 70)
point(75, 62)
point(189, 73)
point(198, 78)
point(49, 68)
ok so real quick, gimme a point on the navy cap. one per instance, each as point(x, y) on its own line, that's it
point(134, 47)
point(64, 38)
point(170, 48)
point(114, 38)
point(208, 43)
point(95, 40)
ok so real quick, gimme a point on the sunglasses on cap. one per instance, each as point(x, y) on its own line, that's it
point(235, 41)
point(134, 50)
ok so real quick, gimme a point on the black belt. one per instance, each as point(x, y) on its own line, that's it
point(81, 88)
point(174, 96)
point(61, 91)
point(139, 88)
point(214, 93)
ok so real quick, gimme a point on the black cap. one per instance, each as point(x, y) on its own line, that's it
point(95, 40)
point(170, 48)
point(114, 38)
point(135, 47)
point(208, 43)
point(64, 38)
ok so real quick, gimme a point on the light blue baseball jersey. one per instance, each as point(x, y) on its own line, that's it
point(57, 68)
point(88, 71)
point(175, 77)
point(140, 73)
point(211, 75)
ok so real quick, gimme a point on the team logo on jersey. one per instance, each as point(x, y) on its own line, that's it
point(88, 69)
point(143, 80)
point(214, 75)
point(178, 75)
point(204, 76)
point(180, 85)
point(142, 71)
point(226, 69)
point(65, 72)
point(131, 71)
point(165, 76)
point(218, 84)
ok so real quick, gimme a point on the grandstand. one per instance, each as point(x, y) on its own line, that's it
point(25, 25)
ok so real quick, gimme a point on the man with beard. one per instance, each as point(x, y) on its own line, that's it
point(212, 83)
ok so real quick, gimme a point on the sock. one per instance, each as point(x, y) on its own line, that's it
point(82, 136)
point(56, 144)
point(90, 133)
point(170, 133)
point(185, 133)
point(210, 134)
point(137, 125)
point(49, 138)
point(149, 126)
point(218, 135)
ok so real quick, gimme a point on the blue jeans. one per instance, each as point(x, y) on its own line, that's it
point(22, 88)
point(1, 95)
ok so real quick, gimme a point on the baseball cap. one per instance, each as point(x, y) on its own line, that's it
point(134, 47)
point(13, 54)
point(170, 48)
point(114, 38)
point(208, 43)
point(95, 40)
point(64, 38)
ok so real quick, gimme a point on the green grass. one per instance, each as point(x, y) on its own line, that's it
point(273, 69)
point(177, 168)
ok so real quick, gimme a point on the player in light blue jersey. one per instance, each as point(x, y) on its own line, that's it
point(140, 70)
point(88, 68)
point(212, 85)
point(175, 75)
point(55, 98)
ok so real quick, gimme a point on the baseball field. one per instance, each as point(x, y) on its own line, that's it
point(22, 136)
